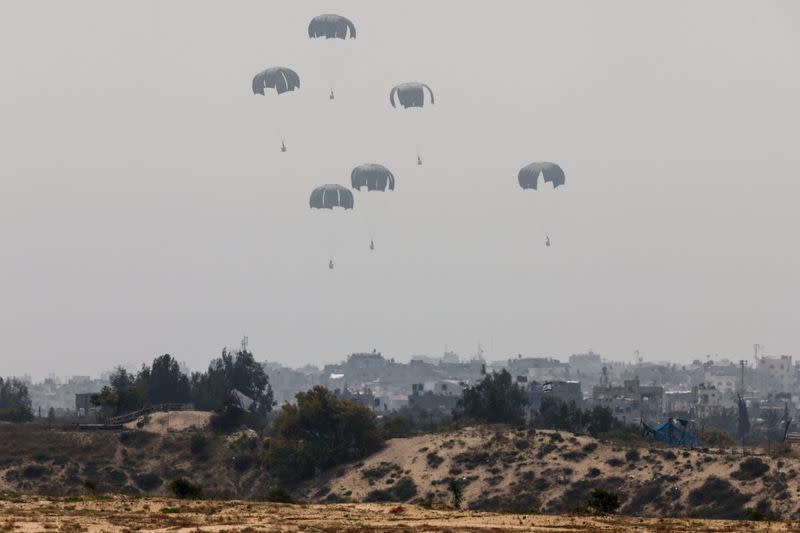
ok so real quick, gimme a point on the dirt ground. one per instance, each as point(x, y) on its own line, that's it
point(124, 514)
point(174, 421)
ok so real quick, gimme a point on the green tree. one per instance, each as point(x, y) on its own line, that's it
point(233, 370)
point(495, 399)
point(319, 432)
point(123, 396)
point(15, 401)
point(163, 382)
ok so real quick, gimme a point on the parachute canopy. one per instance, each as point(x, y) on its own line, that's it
point(331, 27)
point(372, 176)
point(410, 94)
point(330, 196)
point(529, 175)
point(281, 79)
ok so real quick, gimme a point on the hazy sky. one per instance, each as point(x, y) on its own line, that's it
point(145, 207)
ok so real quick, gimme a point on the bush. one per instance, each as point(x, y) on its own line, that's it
point(717, 498)
point(198, 444)
point(632, 455)
point(751, 468)
point(319, 432)
point(456, 492)
point(434, 460)
point(716, 438)
point(147, 481)
point(603, 501)
point(89, 484)
point(279, 495)
point(185, 489)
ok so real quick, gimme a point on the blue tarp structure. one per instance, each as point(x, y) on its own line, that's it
point(674, 432)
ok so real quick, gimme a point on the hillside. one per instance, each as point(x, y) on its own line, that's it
point(552, 472)
point(499, 470)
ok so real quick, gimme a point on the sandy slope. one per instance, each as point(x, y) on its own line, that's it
point(174, 421)
point(525, 471)
point(31, 514)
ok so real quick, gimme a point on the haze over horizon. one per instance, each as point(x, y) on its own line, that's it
point(145, 207)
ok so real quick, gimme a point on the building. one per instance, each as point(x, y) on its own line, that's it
point(775, 373)
point(566, 391)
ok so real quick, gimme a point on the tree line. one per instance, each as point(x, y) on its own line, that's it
point(164, 382)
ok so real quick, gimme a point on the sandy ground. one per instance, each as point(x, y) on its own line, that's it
point(121, 514)
point(161, 423)
point(517, 462)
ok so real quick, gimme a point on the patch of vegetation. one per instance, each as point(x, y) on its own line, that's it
point(185, 489)
point(170, 510)
point(456, 493)
point(616, 462)
point(343, 431)
point(496, 399)
point(632, 455)
point(716, 438)
point(403, 490)
point(544, 450)
point(717, 498)
point(279, 495)
point(434, 460)
point(603, 501)
point(198, 444)
point(35, 471)
point(749, 469)
point(147, 481)
point(136, 439)
point(380, 471)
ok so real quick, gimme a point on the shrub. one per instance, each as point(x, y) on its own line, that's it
point(632, 455)
point(198, 444)
point(603, 501)
point(279, 495)
point(434, 459)
point(751, 468)
point(185, 489)
point(716, 438)
point(147, 481)
point(717, 498)
point(89, 484)
point(342, 431)
point(456, 492)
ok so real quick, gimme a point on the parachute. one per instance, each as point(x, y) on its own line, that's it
point(330, 196)
point(281, 79)
point(410, 94)
point(546, 208)
point(334, 27)
point(323, 200)
point(372, 176)
point(331, 27)
point(529, 175)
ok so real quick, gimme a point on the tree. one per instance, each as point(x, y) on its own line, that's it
point(164, 382)
point(15, 402)
point(123, 396)
point(319, 432)
point(233, 370)
point(496, 399)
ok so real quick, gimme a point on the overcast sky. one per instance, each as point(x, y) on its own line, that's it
point(145, 207)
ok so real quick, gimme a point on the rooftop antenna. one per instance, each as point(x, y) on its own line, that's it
point(245, 340)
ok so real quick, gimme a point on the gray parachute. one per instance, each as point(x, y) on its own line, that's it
point(330, 196)
point(372, 176)
point(529, 175)
point(410, 94)
point(281, 79)
point(331, 27)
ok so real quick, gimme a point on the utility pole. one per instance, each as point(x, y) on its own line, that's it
point(742, 363)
